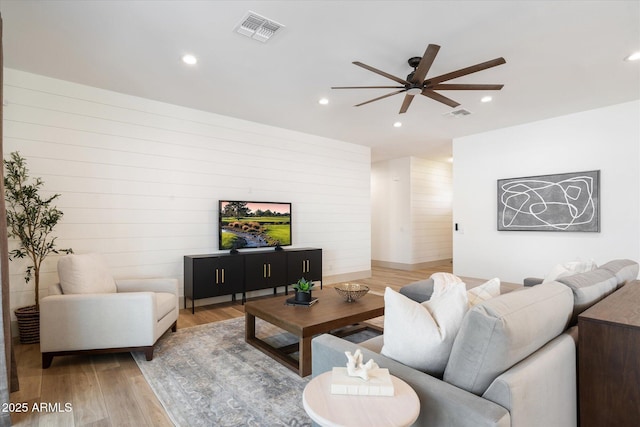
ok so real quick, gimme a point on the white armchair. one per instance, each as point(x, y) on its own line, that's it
point(90, 312)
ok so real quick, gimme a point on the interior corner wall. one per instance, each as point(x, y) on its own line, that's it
point(411, 212)
point(605, 139)
point(140, 180)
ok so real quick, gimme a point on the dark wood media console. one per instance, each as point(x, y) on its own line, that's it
point(213, 275)
point(609, 360)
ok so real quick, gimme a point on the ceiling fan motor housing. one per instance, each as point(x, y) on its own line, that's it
point(414, 61)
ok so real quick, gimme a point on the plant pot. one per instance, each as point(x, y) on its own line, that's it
point(28, 324)
point(303, 296)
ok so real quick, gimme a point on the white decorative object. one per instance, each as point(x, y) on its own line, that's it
point(378, 383)
point(355, 368)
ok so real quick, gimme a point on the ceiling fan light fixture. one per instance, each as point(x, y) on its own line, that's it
point(414, 91)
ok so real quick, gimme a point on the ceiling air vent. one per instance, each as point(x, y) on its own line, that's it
point(460, 112)
point(258, 27)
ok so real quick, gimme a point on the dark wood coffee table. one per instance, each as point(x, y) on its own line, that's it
point(330, 313)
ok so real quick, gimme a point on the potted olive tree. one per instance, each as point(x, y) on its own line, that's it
point(31, 219)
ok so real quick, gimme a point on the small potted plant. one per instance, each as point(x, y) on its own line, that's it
point(303, 290)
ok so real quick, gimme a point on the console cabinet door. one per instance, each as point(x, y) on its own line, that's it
point(230, 275)
point(265, 270)
point(217, 276)
point(304, 263)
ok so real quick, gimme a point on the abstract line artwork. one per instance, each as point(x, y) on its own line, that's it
point(561, 202)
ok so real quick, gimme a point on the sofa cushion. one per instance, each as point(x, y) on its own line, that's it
point(589, 288)
point(502, 331)
point(487, 290)
point(85, 274)
point(419, 291)
point(568, 269)
point(420, 335)
point(165, 302)
point(624, 269)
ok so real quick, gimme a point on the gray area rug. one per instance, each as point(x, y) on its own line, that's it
point(208, 376)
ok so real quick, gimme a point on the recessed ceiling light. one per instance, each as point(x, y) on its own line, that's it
point(189, 59)
point(397, 124)
point(635, 56)
point(486, 99)
point(323, 101)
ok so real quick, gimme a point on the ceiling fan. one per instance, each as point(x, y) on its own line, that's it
point(415, 82)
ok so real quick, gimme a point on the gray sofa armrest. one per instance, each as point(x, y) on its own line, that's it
point(419, 291)
point(441, 404)
point(532, 281)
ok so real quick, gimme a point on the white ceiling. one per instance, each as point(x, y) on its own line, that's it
point(562, 57)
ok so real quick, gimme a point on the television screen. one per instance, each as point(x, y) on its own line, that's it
point(254, 224)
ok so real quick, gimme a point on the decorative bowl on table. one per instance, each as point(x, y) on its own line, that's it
point(351, 291)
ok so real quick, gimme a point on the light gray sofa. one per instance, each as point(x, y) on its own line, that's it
point(513, 362)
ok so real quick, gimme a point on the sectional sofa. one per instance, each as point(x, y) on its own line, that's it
point(513, 360)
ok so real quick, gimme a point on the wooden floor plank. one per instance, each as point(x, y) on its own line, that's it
point(119, 399)
point(88, 405)
point(108, 390)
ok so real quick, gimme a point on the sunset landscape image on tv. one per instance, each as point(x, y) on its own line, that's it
point(254, 224)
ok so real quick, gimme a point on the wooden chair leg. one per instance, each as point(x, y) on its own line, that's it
point(148, 352)
point(47, 358)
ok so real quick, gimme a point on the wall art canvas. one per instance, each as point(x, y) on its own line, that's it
point(560, 202)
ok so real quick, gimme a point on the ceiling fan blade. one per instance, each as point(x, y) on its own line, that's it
point(405, 104)
point(446, 86)
point(382, 73)
point(464, 71)
point(425, 63)
point(367, 87)
point(380, 97)
point(440, 98)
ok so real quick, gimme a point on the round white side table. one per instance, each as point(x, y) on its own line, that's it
point(333, 410)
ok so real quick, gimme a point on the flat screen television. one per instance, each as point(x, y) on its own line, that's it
point(245, 224)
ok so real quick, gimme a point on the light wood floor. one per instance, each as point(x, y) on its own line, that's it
point(109, 390)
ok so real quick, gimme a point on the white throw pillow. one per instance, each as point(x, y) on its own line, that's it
point(421, 335)
point(569, 269)
point(441, 281)
point(483, 292)
point(85, 274)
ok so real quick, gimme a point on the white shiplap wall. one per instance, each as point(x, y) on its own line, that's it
point(431, 210)
point(140, 180)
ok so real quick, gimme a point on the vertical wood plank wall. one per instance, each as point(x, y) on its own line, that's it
point(140, 180)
